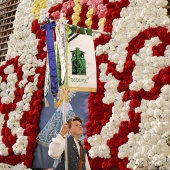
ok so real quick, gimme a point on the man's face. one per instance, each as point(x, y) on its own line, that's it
point(76, 128)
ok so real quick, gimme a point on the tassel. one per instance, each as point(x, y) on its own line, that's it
point(46, 102)
point(55, 103)
point(66, 96)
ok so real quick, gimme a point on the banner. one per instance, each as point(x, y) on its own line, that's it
point(51, 55)
point(81, 63)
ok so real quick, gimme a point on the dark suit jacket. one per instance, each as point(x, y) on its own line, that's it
point(73, 156)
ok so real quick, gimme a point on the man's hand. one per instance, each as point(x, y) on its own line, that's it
point(64, 129)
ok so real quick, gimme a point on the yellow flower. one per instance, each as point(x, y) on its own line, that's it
point(88, 22)
point(77, 10)
point(76, 1)
point(75, 16)
point(90, 13)
point(36, 6)
point(102, 21)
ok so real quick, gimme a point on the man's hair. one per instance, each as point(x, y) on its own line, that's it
point(74, 118)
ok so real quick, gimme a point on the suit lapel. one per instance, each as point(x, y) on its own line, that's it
point(74, 146)
point(75, 149)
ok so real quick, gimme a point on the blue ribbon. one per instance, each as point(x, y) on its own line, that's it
point(51, 55)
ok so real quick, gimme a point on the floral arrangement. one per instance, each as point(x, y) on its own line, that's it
point(128, 122)
point(21, 90)
point(128, 125)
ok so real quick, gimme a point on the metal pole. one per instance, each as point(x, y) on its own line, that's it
point(64, 120)
point(62, 27)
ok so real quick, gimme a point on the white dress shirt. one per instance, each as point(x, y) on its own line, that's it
point(57, 147)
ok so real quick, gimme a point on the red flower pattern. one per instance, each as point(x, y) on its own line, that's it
point(99, 113)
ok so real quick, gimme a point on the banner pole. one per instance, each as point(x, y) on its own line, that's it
point(64, 91)
point(64, 117)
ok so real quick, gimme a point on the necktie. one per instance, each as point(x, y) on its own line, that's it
point(81, 156)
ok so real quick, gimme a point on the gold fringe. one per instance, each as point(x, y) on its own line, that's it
point(55, 103)
point(83, 89)
point(66, 96)
point(62, 94)
point(46, 102)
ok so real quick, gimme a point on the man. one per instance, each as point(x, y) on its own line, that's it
point(77, 157)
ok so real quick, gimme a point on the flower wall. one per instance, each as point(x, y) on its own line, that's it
point(21, 90)
point(129, 116)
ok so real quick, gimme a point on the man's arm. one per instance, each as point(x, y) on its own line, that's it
point(56, 147)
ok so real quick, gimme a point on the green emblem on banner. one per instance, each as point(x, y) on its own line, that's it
point(78, 62)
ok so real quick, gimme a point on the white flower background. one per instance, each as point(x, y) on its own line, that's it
point(149, 148)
